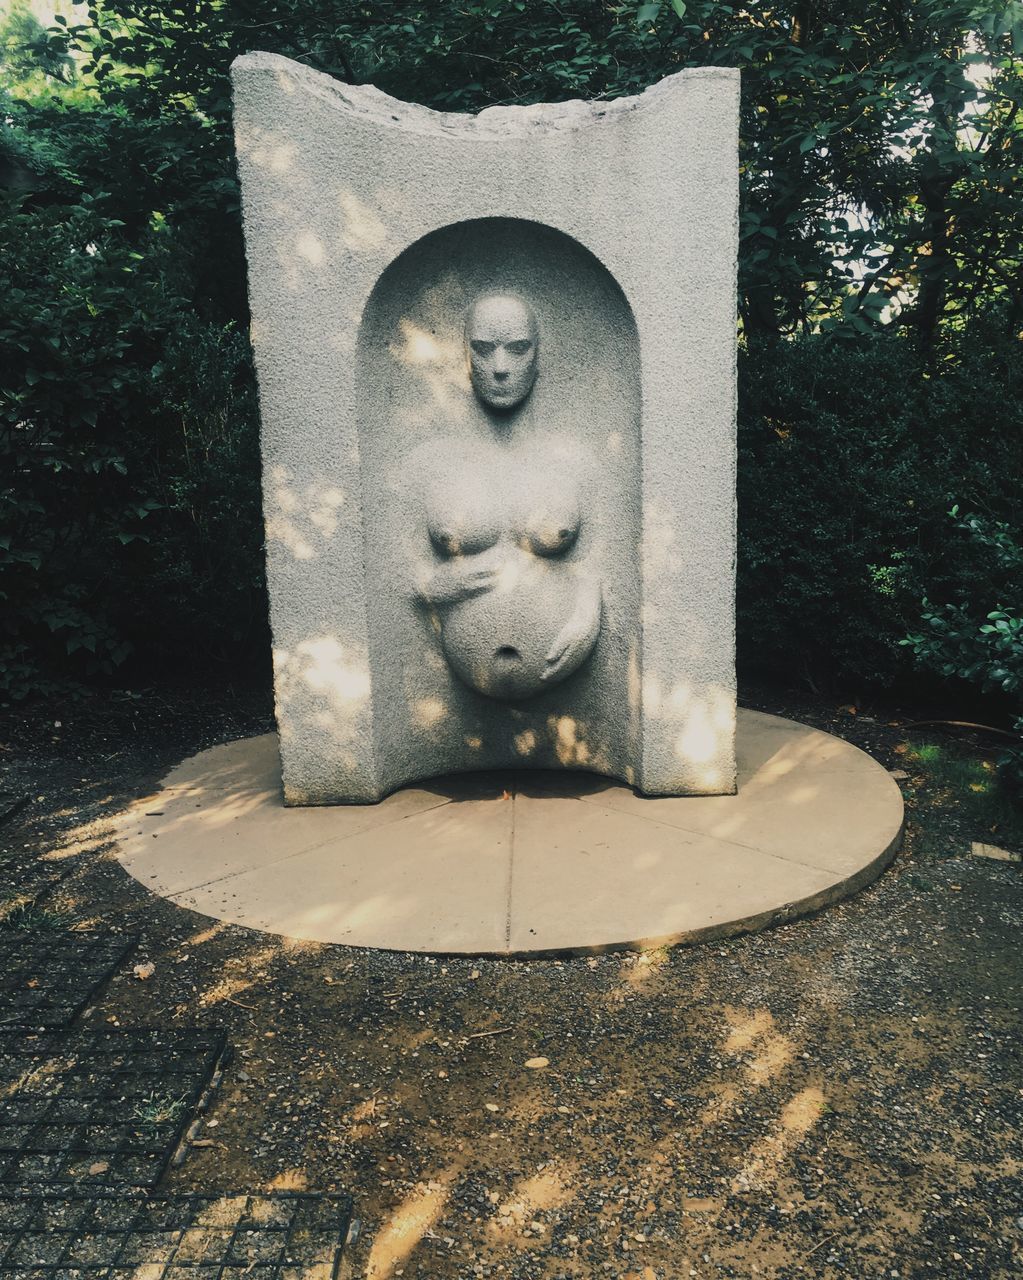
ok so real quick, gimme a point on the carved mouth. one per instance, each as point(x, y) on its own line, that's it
point(507, 654)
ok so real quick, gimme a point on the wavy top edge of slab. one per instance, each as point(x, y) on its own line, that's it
point(492, 122)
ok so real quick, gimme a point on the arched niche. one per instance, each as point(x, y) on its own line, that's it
point(578, 432)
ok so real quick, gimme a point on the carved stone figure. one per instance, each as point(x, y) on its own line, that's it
point(518, 607)
point(502, 344)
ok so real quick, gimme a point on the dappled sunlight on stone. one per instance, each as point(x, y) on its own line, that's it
point(326, 668)
point(429, 712)
point(420, 347)
point(661, 556)
point(309, 247)
point(221, 810)
point(263, 147)
point(698, 741)
point(284, 82)
point(280, 158)
point(569, 740)
point(302, 521)
point(323, 510)
point(432, 868)
point(439, 365)
point(363, 230)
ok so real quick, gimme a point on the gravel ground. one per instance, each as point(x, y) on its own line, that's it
point(840, 1096)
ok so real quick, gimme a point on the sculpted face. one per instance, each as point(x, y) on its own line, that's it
point(501, 338)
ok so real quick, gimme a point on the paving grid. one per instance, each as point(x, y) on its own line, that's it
point(287, 1235)
point(49, 978)
point(108, 1107)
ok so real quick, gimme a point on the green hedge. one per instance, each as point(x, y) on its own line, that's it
point(850, 456)
point(129, 508)
point(880, 368)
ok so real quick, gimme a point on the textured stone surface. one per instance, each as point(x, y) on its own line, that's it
point(372, 228)
point(514, 862)
point(503, 541)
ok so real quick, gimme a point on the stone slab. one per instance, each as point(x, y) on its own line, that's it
point(439, 879)
point(517, 862)
point(992, 851)
point(373, 228)
point(642, 879)
point(222, 818)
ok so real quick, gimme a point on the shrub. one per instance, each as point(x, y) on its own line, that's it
point(965, 639)
point(128, 436)
point(129, 505)
point(850, 454)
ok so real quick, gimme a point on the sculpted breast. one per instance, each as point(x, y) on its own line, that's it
point(463, 515)
point(472, 512)
point(550, 525)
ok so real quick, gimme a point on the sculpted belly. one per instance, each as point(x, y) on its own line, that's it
point(517, 603)
point(502, 641)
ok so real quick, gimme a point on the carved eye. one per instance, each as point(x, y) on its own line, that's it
point(482, 348)
point(519, 347)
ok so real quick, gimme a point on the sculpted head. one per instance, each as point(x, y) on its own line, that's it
point(502, 341)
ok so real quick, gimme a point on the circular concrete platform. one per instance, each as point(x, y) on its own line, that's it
point(520, 863)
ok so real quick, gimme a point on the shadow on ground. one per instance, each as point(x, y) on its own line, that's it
point(837, 1097)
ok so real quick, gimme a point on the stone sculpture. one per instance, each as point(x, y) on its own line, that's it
point(518, 611)
point(496, 372)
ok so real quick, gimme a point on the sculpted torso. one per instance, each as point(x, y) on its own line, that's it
point(505, 565)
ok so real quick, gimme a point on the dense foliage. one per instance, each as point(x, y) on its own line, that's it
point(965, 639)
point(851, 455)
point(881, 301)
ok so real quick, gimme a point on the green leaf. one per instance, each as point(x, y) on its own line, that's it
point(679, 7)
point(647, 13)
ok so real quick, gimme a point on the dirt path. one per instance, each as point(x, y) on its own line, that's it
point(837, 1097)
